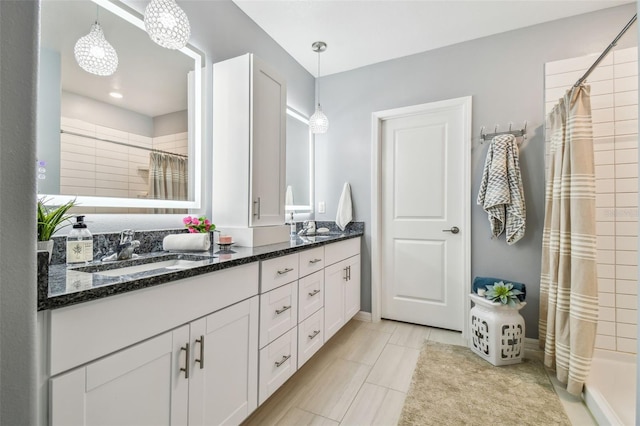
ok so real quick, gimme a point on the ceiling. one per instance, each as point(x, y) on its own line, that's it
point(364, 32)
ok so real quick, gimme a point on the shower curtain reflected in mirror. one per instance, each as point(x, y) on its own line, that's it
point(168, 179)
point(568, 279)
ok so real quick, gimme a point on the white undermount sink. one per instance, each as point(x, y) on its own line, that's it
point(176, 264)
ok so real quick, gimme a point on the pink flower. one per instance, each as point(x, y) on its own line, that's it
point(187, 220)
point(206, 222)
point(193, 230)
point(195, 221)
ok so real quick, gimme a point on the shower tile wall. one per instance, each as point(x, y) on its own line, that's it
point(92, 167)
point(614, 101)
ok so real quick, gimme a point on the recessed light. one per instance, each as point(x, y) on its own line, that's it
point(116, 95)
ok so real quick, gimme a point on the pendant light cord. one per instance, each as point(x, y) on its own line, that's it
point(318, 80)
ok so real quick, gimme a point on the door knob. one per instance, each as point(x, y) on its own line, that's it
point(453, 230)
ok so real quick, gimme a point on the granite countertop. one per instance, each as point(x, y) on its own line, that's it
point(65, 286)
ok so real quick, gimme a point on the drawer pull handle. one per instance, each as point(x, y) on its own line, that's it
point(315, 261)
point(314, 334)
point(283, 360)
point(314, 292)
point(201, 360)
point(285, 271)
point(186, 361)
point(284, 309)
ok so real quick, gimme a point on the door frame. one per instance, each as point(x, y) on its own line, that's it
point(377, 118)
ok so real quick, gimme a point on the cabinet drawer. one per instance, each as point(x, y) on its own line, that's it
point(311, 261)
point(341, 250)
point(278, 312)
point(278, 362)
point(310, 336)
point(278, 271)
point(310, 295)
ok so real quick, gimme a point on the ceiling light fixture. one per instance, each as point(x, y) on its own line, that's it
point(93, 52)
point(167, 24)
point(318, 121)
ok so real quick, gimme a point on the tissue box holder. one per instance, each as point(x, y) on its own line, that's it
point(497, 331)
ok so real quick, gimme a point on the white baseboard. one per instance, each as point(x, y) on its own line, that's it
point(363, 316)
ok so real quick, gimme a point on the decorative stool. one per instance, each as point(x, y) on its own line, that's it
point(497, 331)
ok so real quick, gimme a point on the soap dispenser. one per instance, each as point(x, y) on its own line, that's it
point(79, 243)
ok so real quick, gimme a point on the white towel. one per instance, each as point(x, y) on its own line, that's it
point(288, 198)
point(345, 209)
point(501, 194)
point(187, 242)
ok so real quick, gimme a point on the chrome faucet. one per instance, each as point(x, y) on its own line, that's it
point(127, 245)
point(308, 228)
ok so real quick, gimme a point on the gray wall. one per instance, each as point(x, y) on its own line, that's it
point(18, 61)
point(504, 74)
point(169, 124)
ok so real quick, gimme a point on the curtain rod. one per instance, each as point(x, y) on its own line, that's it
point(123, 144)
point(606, 51)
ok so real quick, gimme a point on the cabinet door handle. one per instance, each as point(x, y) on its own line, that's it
point(284, 309)
point(314, 334)
point(346, 275)
point(349, 272)
point(256, 208)
point(186, 361)
point(314, 292)
point(315, 261)
point(283, 360)
point(201, 360)
point(285, 271)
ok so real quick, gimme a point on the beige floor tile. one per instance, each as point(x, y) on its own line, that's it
point(385, 326)
point(331, 393)
point(298, 417)
point(410, 335)
point(278, 404)
point(447, 336)
point(395, 367)
point(375, 405)
point(363, 345)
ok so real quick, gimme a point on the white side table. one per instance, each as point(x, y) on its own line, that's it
point(497, 331)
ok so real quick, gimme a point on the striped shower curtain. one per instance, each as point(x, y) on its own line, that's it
point(168, 179)
point(568, 280)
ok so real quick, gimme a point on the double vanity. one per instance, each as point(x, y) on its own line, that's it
point(190, 339)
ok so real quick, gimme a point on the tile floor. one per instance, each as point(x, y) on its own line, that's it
point(361, 377)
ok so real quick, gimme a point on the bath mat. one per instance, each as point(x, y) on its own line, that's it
point(453, 386)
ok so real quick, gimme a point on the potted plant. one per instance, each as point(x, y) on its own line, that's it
point(503, 293)
point(50, 220)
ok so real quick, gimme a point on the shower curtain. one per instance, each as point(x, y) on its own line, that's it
point(167, 178)
point(568, 280)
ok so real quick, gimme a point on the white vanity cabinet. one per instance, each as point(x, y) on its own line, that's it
point(109, 364)
point(249, 144)
point(341, 284)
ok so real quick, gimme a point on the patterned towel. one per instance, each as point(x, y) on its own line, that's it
point(501, 193)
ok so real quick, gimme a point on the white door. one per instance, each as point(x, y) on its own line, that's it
point(424, 201)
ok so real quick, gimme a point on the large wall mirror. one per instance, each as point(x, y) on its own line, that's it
point(300, 161)
point(110, 140)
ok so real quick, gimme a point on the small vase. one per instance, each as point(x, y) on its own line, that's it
point(46, 245)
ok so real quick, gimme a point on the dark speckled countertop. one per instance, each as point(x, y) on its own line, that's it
point(67, 286)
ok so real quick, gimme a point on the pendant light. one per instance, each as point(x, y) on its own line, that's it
point(94, 54)
point(318, 123)
point(167, 24)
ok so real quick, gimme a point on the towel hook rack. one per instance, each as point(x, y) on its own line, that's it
point(515, 132)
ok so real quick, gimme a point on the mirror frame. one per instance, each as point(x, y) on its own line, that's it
point(129, 15)
point(304, 208)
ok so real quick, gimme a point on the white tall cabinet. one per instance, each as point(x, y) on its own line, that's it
point(249, 146)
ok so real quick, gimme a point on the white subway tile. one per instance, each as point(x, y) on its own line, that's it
point(600, 73)
point(624, 257)
point(626, 127)
point(70, 164)
point(626, 141)
point(629, 112)
point(605, 342)
point(605, 186)
point(604, 115)
point(627, 214)
point(112, 177)
point(625, 69)
point(104, 168)
point(77, 174)
point(605, 242)
point(626, 272)
point(626, 301)
point(625, 171)
point(625, 98)
point(627, 316)
point(78, 126)
point(562, 80)
point(83, 183)
point(627, 287)
point(629, 229)
point(606, 257)
point(604, 143)
point(606, 328)
point(105, 192)
point(606, 271)
point(605, 228)
point(602, 87)
point(605, 101)
point(606, 200)
point(603, 129)
point(77, 158)
point(606, 314)
point(581, 63)
point(606, 285)
point(112, 155)
point(604, 157)
point(103, 161)
point(111, 184)
point(629, 54)
point(625, 84)
point(626, 345)
point(77, 190)
point(627, 243)
point(629, 331)
point(606, 172)
point(626, 199)
point(624, 185)
point(605, 214)
point(607, 300)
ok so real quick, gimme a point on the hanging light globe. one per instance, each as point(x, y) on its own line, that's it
point(94, 54)
point(167, 24)
point(319, 123)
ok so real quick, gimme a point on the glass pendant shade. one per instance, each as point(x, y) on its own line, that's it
point(319, 123)
point(94, 54)
point(167, 24)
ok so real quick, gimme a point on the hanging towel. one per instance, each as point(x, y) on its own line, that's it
point(501, 193)
point(345, 210)
point(288, 198)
